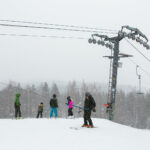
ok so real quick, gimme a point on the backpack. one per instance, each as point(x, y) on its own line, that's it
point(92, 102)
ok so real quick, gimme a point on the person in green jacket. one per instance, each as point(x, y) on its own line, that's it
point(40, 110)
point(17, 106)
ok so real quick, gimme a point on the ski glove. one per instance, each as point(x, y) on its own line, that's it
point(94, 110)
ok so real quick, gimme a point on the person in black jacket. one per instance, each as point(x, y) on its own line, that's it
point(54, 106)
point(89, 105)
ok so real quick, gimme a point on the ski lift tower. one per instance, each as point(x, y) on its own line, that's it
point(139, 78)
point(113, 44)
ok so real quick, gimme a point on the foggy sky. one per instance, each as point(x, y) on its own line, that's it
point(25, 59)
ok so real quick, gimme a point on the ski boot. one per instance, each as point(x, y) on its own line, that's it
point(84, 125)
point(90, 126)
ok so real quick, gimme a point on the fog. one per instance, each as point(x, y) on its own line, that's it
point(35, 59)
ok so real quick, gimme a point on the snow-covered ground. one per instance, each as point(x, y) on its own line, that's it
point(66, 134)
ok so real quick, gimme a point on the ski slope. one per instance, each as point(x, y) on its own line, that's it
point(66, 134)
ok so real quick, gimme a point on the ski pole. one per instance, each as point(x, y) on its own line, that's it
point(78, 107)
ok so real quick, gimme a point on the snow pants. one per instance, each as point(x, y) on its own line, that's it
point(17, 111)
point(39, 114)
point(53, 110)
point(87, 117)
point(70, 113)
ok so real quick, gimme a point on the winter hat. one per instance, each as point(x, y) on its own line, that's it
point(17, 95)
point(54, 95)
point(87, 94)
point(68, 98)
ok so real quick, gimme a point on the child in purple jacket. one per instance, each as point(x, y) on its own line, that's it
point(70, 106)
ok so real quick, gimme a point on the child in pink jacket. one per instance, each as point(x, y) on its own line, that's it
point(70, 106)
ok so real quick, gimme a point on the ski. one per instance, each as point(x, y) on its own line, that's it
point(78, 128)
point(75, 128)
point(78, 107)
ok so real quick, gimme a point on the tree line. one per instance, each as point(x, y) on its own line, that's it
point(131, 108)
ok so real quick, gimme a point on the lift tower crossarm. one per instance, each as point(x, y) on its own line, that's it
point(136, 31)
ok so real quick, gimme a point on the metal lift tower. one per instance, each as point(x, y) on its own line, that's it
point(113, 44)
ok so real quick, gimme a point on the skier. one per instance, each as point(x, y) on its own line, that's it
point(54, 106)
point(17, 106)
point(89, 105)
point(70, 107)
point(40, 110)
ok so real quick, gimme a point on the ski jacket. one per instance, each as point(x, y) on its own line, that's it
point(53, 103)
point(70, 104)
point(89, 103)
point(40, 108)
point(17, 100)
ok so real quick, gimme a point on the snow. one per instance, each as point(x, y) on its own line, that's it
point(61, 134)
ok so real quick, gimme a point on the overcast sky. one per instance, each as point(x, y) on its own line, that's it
point(27, 59)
